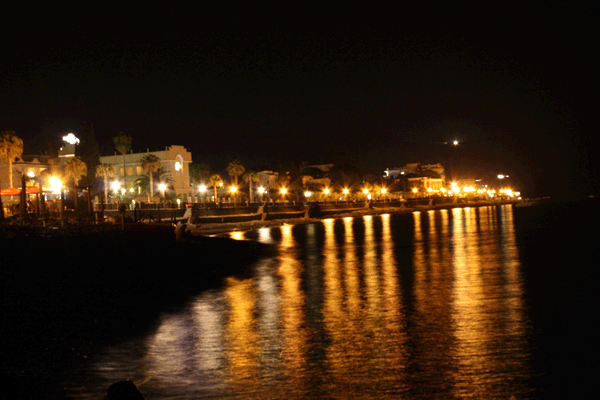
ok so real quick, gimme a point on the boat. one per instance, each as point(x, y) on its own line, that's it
point(527, 203)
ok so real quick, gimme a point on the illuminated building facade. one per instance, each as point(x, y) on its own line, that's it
point(174, 159)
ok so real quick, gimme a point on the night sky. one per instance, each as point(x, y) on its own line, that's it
point(515, 84)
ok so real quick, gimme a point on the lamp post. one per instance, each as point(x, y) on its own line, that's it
point(162, 187)
point(202, 190)
point(233, 191)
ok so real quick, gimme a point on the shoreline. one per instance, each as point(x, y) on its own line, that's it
point(215, 229)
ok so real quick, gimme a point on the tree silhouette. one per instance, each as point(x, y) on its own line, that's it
point(11, 147)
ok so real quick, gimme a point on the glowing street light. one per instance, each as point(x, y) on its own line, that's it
point(55, 185)
point(162, 187)
point(115, 186)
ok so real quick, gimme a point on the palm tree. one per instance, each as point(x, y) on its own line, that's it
point(123, 145)
point(161, 174)
point(106, 171)
point(199, 172)
point(150, 164)
point(11, 147)
point(75, 169)
point(215, 180)
point(235, 168)
point(251, 177)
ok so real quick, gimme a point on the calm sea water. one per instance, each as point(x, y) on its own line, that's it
point(489, 303)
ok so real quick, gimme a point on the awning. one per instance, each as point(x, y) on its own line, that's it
point(17, 191)
point(10, 192)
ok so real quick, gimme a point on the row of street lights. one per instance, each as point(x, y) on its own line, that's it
point(261, 190)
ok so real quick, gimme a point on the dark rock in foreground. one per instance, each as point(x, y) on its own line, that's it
point(123, 390)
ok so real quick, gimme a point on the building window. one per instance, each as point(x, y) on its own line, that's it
point(139, 170)
point(121, 171)
point(129, 171)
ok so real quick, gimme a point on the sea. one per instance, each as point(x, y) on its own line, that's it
point(494, 302)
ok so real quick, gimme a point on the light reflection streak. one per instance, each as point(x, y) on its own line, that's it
point(372, 275)
point(242, 339)
point(237, 235)
point(432, 289)
point(479, 293)
point(292, 310)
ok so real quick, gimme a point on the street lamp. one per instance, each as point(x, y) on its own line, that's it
point(233, 189)
point(283, 192)
point(202, 189)
point(162, 187)
point(55, 185)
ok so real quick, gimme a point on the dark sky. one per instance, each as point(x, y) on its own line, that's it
point(516, 84)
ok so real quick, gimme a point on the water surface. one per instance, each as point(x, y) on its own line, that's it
point(432, 304)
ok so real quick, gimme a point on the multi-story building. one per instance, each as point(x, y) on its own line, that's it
point(175, 160)
point(413, 168)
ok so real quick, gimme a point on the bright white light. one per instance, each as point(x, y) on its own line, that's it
point(177, 166)
point(71, 139)
point(115, 186)
point(30, 174)
point(202, 188)
point(55, 185)
point(261, 190)
point(307, 194)
point(500, 176)
point(162, 187)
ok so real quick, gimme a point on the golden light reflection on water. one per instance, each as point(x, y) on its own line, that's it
point(293, 310)
point(242, 338)
point(487, 302)
point(327, 315)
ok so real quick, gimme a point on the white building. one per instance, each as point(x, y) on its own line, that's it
point(175, 159)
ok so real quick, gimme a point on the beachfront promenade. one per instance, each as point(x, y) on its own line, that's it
point(208, 213)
